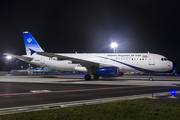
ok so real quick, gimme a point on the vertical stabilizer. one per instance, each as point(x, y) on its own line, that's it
point(30, 43)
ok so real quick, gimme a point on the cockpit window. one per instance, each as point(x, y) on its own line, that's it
point(163, 59)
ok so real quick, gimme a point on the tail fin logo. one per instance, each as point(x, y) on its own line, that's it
point(31, 44)
point(29, 40)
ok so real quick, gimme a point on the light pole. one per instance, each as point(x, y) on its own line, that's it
point(114, 45)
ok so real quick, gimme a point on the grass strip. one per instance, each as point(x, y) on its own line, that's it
point(139, 109)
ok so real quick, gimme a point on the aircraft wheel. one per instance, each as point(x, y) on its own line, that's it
point(87, 77)
point(150, 79)
point(96, 77)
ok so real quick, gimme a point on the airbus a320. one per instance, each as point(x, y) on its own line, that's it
point(94, 64)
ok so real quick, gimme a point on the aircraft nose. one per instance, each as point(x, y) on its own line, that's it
point(174, 65)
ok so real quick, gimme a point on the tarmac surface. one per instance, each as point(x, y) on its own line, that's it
point(18, 91)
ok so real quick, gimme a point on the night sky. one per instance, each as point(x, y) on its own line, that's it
point(90, 26)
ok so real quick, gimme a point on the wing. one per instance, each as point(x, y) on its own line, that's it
point(23, 58)
point(74, 60)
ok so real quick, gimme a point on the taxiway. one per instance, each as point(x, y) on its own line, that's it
point(17, 91)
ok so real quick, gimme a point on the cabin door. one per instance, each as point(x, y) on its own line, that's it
point(42, 60)
point(151, 60)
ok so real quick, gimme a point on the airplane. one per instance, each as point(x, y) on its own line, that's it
point(95, 64)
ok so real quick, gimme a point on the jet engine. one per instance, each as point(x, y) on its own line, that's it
point(108, 71)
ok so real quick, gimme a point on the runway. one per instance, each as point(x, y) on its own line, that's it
point(17, 91)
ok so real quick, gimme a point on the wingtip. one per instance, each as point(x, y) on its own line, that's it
point(6, 54)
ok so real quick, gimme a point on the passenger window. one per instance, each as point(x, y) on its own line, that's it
point(132, 58)
point(161, 59)
point(140, 59)
point(143, 59)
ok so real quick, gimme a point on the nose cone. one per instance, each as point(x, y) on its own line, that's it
point(174, 65)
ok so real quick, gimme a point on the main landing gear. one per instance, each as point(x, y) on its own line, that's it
point(96, 77)
point(88, 77)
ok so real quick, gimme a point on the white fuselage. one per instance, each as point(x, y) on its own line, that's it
point(127, 62)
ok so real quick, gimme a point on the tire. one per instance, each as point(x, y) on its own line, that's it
point(96, 77)
point(87, 77)
point(150, 79)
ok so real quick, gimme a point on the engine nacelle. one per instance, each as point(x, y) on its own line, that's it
point(108, 71)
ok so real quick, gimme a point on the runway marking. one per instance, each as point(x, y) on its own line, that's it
point(38, 91)
point(60, 91)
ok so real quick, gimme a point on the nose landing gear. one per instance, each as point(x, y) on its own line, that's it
point(150, 78)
